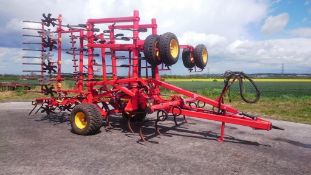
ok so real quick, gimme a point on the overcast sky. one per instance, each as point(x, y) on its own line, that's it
point(244, 35)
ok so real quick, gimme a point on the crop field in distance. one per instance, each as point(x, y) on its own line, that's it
point(281, 98)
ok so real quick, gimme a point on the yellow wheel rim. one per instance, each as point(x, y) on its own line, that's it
point(191, 58)
point(80, 120)
point(204, 55)
point(157, 53)
point(174, 48)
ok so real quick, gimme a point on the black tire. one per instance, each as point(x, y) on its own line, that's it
point(200, 56)
point(151, 50)
point(187, 58)
point(139, 117)
point(85, 119)
point(169, 48)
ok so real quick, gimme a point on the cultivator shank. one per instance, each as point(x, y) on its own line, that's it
point(119, 73)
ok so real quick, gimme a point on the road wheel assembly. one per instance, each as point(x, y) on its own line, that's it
point(169, 48)
point(85, 119)
point(151, 50)
point(200, 56)
point(187, 58)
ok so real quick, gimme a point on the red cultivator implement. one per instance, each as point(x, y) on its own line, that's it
point(97, 95)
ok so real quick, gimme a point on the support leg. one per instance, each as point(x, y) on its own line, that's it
point(222, 132)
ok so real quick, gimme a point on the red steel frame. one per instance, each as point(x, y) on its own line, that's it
point(139, 92)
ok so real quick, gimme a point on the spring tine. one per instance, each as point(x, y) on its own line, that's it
point(141, 134)
point(129, 124)
point(175, 120)
point(33, 109)
point(157, 131)
point(39, 108)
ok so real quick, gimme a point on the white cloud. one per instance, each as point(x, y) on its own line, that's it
point(10, 60)
point(178, 16)
point(292, 51)
point(301, 32)
point(274, 24)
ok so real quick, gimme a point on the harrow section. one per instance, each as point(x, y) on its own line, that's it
point(119, 73)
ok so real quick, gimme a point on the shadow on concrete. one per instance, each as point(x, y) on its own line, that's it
point(55, 119)
point(180, 130)
point(296, 143)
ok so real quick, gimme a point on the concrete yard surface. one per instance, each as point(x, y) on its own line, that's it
point(44, 145)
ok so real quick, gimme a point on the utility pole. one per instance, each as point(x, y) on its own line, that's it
point(282, 71)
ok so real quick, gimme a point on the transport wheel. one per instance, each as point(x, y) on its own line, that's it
point(200, 56)
point(85, 119)
point(169, 48)
point(187, 58)
point(139, 117)
point(151, 50)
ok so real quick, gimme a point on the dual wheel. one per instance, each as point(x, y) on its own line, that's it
point(165, 49)
point(198, 57)
point(161, 49)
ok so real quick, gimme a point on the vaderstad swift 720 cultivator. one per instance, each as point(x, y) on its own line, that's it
point(98, 94)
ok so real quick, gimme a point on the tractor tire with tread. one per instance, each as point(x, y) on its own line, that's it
point(187, 58)
point(151, 50)
point(169, 48)
point(85, 119)
point(200, 56)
